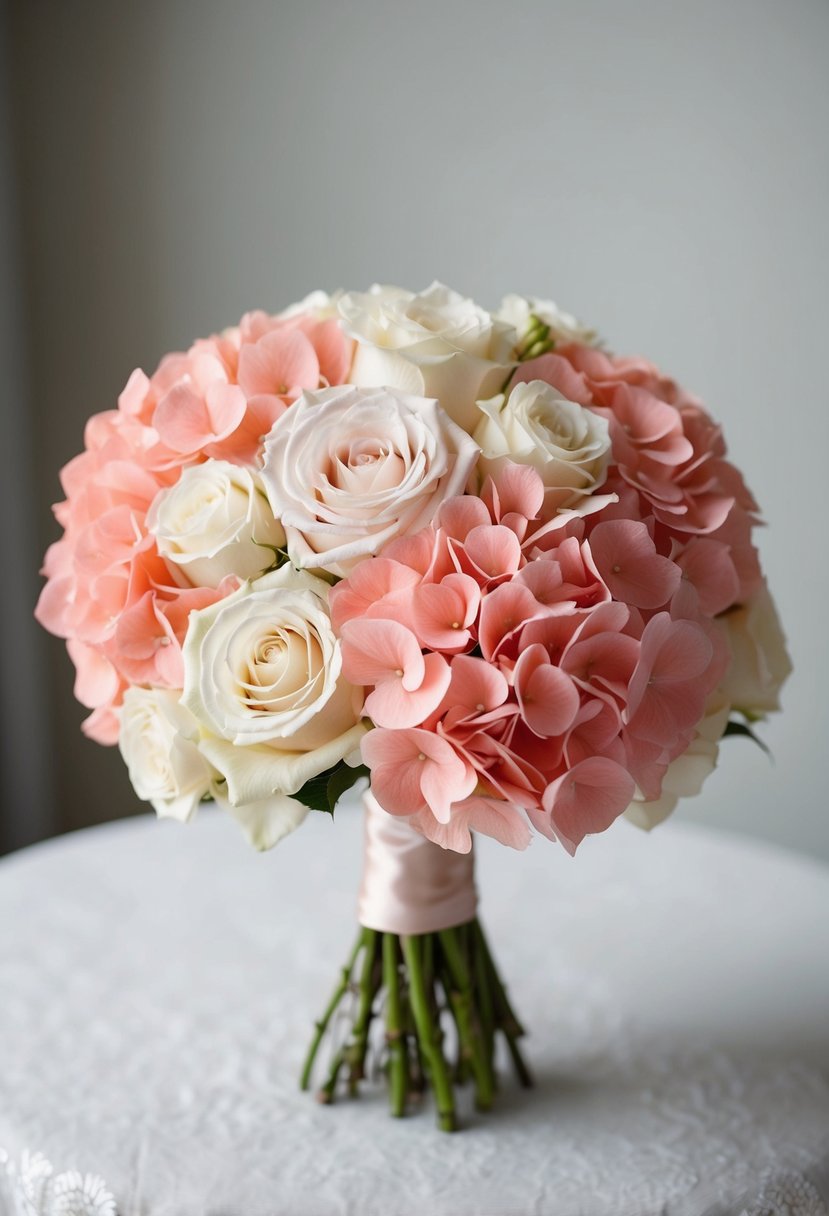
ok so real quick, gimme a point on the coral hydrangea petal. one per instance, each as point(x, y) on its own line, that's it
point(626, 558)
point(373, 583)
point(374, 651)
point(459, 516)
point(392, 705)
point(476, 685)
point(96, 680)
point(708, 565)
point(514, 489)
point(333, 351)
point(587, 799)
point(493, 550)
point(494, 817)
point(504, 611)
point(280, 362)
point(547, 697)
point(441, 612)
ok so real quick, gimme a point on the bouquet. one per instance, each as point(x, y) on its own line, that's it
point(498, 575)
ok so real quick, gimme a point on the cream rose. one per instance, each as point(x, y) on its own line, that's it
point(433, 344)
point(262, 677)
point(318, 304)
point(567, 444)
point(348, 469)
point(213, 522)
point(562, 327)
point(266, 822)
point(159, 742)
point(760, 663)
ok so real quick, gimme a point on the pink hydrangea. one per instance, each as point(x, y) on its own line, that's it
point(526, 671)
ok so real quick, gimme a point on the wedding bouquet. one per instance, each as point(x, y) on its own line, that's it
point(504, 574)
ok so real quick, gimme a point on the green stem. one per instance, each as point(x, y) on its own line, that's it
point(417, 1077)
point(326, 1092)
point(429, 1034)
point(506, 1019)
point(358, 1046)
point(483, 990)
point(395, 1034)
point(463, 1007)
point(321, 1026)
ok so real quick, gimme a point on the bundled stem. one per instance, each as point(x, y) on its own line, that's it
point(423, 985)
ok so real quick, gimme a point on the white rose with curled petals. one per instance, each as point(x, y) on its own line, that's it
point(263, 679)
point(435, 343)
point(158, 740)
point(348, 469)
point(568, 445)
point(214, 522)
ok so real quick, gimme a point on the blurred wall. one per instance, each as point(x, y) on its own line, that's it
point(659, 169)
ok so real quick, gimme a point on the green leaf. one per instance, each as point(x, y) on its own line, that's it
point(323, 792)
point(341, 780)
point(742, 728)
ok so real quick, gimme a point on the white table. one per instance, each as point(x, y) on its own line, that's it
point(158, 985)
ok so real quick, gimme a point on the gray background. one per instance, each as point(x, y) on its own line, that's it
point(659, 169)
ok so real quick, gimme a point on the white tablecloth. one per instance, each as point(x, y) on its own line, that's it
point(159, 982)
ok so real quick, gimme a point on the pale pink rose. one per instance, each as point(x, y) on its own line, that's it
point(350, 469)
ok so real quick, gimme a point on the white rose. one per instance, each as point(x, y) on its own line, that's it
point(760, 663)
point(567, 444)
point(686, 774)
point(159, 742)
point(518, 312)
point(266, 822)
point(213, 522)
point(433, 344)
point(348, 469)
point(262, 677)
point(319, 304)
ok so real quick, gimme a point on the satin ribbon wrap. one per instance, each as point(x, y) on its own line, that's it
point(411, 885)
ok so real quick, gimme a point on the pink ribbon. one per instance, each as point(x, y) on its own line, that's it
point(411, 885)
